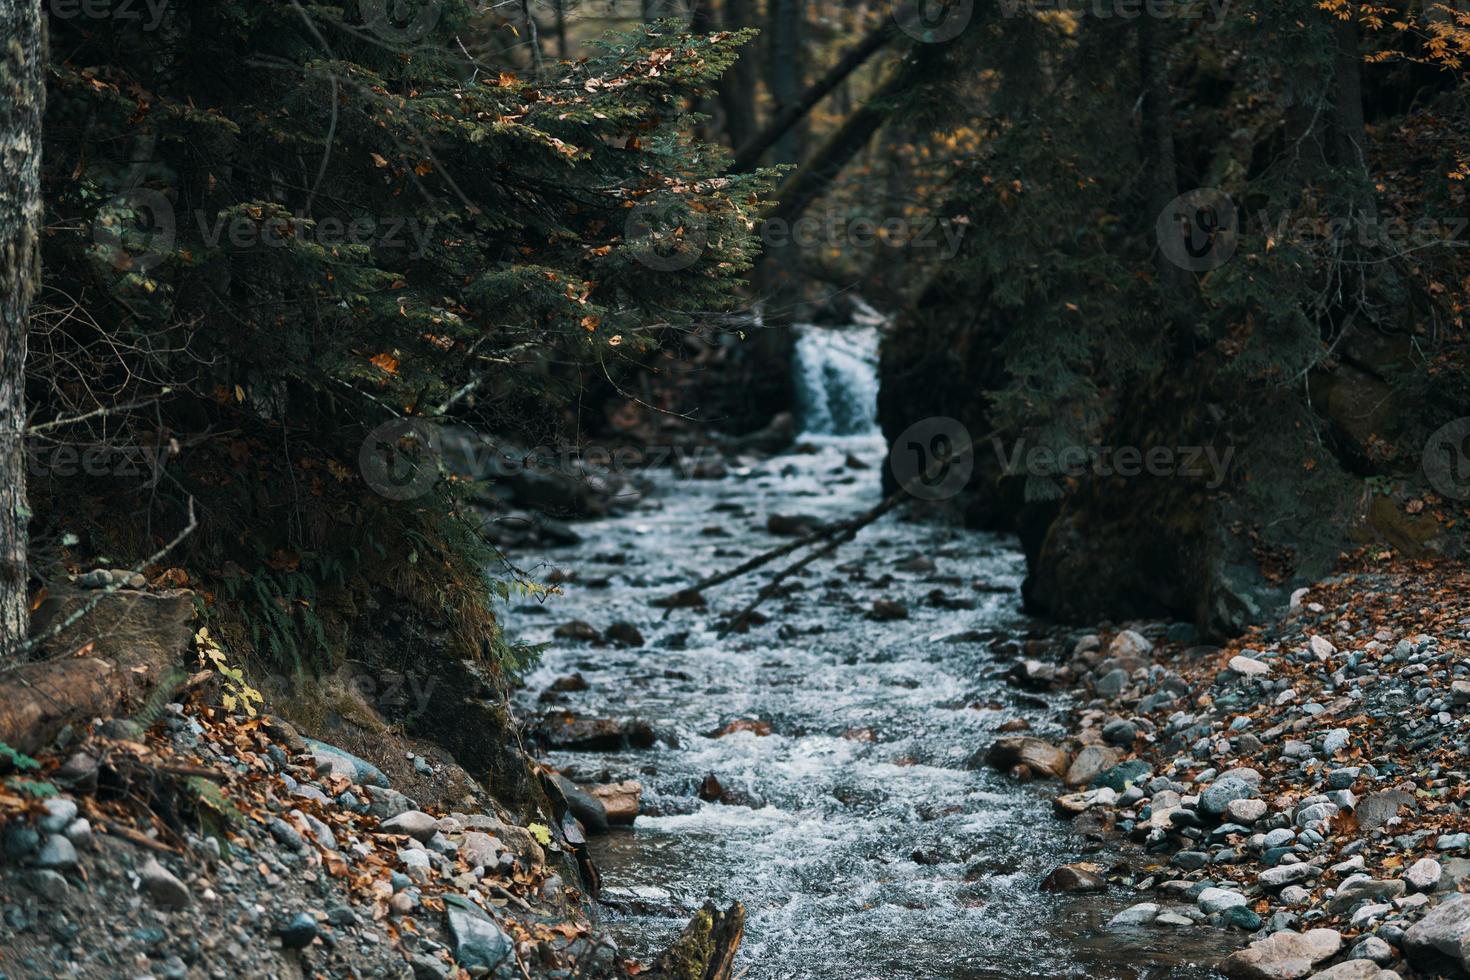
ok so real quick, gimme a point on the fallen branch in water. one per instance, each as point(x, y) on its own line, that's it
point(846, 532)
point(766, 557)
point(830, 538)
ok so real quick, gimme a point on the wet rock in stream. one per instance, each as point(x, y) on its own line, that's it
point(571, 731)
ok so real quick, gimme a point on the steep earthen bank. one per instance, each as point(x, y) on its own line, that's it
point(1304, 784)
point(189, 836)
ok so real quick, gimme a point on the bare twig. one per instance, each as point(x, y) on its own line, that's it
point(76, 615)
point(834, 535)
point(849, 531)
point(96, 413)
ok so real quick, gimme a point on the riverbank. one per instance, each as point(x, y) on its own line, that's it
point(1303, 785)
point(193, 835)
point(212, 844)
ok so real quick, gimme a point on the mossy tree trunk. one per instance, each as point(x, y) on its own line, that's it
point(22, 98)
point(706, 949)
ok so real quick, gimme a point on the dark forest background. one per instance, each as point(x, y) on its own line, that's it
point(273, 229)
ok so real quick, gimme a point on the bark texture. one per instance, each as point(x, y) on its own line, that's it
point(22, 99)
point(706, 949)
point(747, 157)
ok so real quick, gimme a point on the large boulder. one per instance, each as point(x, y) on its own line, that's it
point(1356, 970)
point(1441, 938)
point(622, 801)
point(1074, 878)
point(584, 806)
point(1221, 793)
point(571, 731)
point(480, 945)
point(1090, 763)
point(332, 761)
point(1283, 955)
point(412, 823)
point(160, 883)
point(1362, 888)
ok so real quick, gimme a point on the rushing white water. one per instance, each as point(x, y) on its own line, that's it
point(836, 376)
point(860, 835)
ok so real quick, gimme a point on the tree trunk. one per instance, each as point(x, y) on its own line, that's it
point(659, 9)
point(784, 75)
point(702, 21)
point(1156, 133)
point(560, 12)
point(103, 665)
point(22, 99)
point(1351, 140)
point(706, 949)
point(738, 86)
point(39, 699)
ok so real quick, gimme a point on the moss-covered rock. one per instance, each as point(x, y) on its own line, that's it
point(705, 950)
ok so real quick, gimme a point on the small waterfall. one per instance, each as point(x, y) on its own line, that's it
point(836, 374)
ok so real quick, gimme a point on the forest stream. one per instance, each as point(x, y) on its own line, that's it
point(861, 837)
point(735, 490)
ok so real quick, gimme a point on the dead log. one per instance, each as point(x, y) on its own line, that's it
point(103, 665)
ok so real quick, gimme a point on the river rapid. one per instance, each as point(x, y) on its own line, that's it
point(861, 834)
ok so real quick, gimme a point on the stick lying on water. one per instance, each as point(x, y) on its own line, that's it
point(849, 531)
point(766, 557)
point(831, 538)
